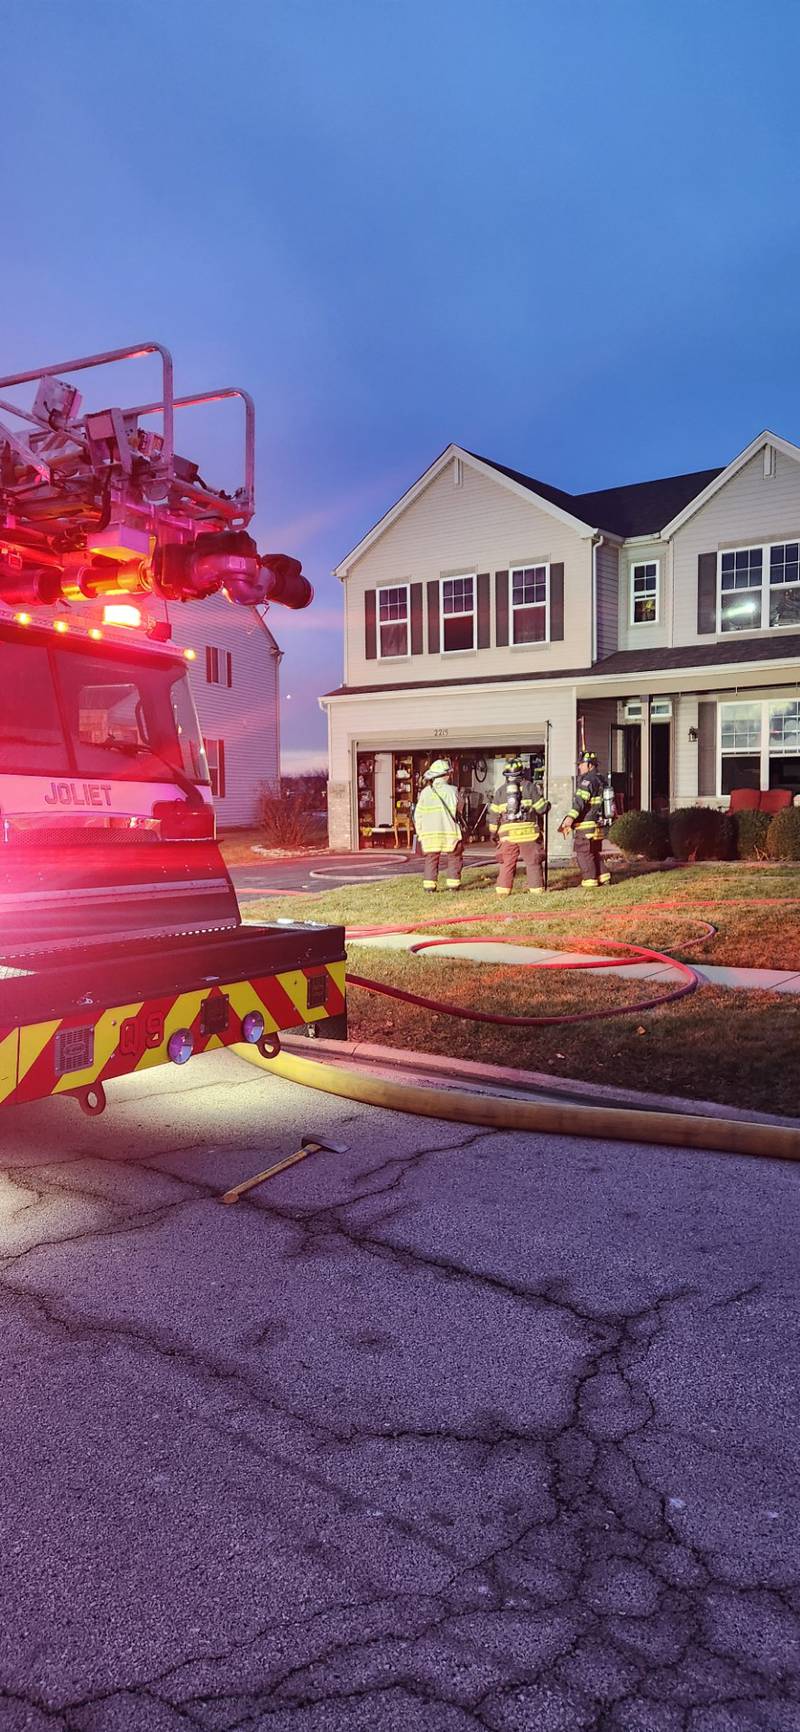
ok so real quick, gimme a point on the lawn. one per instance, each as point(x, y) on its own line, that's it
point(740, 1048)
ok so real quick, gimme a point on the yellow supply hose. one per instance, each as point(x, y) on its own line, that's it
point(616, 1124)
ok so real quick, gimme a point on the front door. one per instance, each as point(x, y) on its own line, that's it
point(660, 733)
point(626, 765)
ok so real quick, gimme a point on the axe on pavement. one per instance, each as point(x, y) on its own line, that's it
point(308, 1146)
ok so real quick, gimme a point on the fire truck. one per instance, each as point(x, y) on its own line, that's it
point(121, 941)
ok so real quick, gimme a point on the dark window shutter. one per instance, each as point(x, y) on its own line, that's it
point(370, 627)
point(501, 607)
point(229, 668)
point(556, 604)
point(433, 617)
point(221, 772)
point(416, 619)
point(706, 592)
point(707, 740)
point(209, 665)
point(484, 616)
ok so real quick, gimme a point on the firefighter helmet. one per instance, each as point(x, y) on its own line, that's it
point(589, 758)
point(439, 767)
point(514, 767)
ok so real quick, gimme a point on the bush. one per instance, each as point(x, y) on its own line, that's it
point(285, 821)
point(750, 834)
point(700, 833)
point(783, 835)
point(643, 833)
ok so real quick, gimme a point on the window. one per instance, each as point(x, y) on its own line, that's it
point(644, 593)
point(784, 584)
point(760, 744)
point(219, 667)
point(529, 604)
point(746, 602)
point(458, 614)
point(740, 589)
point(215, 753)
point(740, 746)
point(393, 622)
point(73, 711)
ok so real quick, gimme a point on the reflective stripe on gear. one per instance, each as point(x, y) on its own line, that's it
point(501, 890)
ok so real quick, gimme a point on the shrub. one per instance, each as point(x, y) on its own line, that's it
point(783, 835)
point(700, 833)
point(750, 834)
point(285, 822)
point(644, 833)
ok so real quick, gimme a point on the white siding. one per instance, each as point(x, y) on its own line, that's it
point(645, 637)
point(478, 526)
point(246, 716)
point(748, 509)
point(607, 599)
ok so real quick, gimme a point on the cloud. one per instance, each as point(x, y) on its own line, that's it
point(299, 760)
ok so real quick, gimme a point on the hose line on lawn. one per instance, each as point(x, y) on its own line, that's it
point(615, 1124)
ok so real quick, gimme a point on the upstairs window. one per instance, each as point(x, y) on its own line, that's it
point(219, 667)
point(740, 589)
point(759, 587)
point(458, 614)
point(784, 584)
point(644, 593)
point(393, 622)
point(529, 601)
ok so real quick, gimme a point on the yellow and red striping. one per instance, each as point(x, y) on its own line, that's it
point(132, 1037)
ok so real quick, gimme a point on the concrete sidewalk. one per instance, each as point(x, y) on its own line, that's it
point(743, 979)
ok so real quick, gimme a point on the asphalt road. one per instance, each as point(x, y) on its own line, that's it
point(456, 1430)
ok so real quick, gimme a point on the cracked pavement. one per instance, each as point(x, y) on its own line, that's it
point(459, 1429)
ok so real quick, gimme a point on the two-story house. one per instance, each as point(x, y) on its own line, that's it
point(659, 621)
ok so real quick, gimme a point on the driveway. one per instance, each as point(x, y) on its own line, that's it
point(455, 1430)
point(315, 873)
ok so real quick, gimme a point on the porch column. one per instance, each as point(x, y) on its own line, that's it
point(645, 766)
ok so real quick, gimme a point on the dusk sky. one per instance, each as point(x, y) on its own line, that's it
point(564, 235)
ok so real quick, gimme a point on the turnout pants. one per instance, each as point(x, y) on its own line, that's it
point(532, 853)
point(588, 852)
point(451, 864)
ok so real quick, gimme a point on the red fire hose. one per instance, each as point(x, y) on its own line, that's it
point(633, 953)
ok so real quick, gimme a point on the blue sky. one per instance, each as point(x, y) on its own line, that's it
point(567, 236)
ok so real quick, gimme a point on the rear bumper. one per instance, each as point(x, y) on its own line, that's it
point(89, 1018)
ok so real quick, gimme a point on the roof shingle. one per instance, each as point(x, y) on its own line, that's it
point(643, 508)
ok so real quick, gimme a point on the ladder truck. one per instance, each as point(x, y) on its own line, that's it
point(121, 941)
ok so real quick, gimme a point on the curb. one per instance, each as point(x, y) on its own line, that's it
point(492, 1078)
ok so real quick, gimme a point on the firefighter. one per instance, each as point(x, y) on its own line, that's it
point(516, 823)
point(584, 822)
point(437, 827)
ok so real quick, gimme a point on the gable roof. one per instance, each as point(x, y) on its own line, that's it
point(638, 509)
point(642, 508)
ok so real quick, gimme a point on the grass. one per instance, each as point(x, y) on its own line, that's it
point(749, 934)
point(737, 1047)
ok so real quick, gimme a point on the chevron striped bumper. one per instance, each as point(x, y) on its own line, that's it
point(71, 1054)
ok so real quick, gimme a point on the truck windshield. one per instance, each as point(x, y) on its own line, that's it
point(66, 711)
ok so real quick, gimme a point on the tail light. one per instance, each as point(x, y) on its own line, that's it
point(181, 822)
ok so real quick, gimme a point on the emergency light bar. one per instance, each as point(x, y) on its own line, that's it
point(94, 505)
